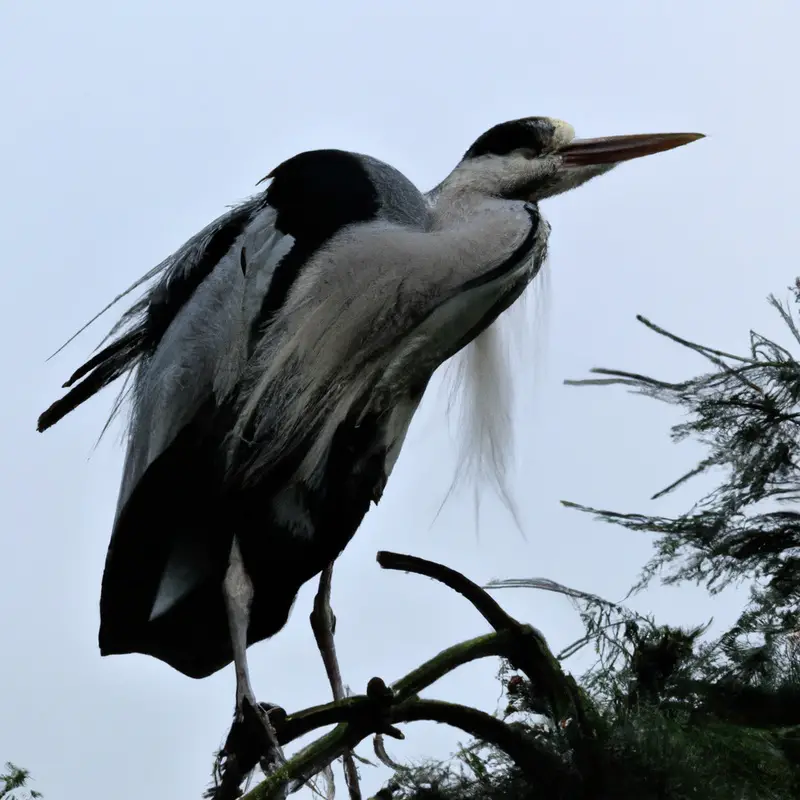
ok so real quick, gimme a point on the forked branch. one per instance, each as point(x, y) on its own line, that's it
point(382, 708)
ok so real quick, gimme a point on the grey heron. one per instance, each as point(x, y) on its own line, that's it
point(277, 361)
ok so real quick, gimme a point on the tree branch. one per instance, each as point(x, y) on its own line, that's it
point(535, 760)
point(309, 719)
point(382, 708)
point(528, 649)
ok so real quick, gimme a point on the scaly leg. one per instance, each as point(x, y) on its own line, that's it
point(323, 623)
point(238, 591)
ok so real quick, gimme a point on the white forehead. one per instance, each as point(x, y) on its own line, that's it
point(564, 133)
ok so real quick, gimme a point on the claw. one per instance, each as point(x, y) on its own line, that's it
point(246, 746)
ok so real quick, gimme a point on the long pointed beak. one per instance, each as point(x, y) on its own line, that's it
point(613, 149)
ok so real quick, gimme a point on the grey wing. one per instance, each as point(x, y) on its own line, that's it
point(139, 331)
point(203, 352)
point(167, 536)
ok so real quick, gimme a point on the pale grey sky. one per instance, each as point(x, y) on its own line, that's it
point(128, 127)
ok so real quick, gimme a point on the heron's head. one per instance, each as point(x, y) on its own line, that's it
point(538, 157)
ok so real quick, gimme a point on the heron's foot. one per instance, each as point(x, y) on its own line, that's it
point(247, 746)
point(260, 720)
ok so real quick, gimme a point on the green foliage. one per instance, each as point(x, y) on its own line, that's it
point(747, 414)
point(646, 755)
point(14, 784)
point(677, 714)
point(664, 732)
point(657, 754)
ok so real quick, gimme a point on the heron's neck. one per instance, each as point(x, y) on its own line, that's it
point(455, 202)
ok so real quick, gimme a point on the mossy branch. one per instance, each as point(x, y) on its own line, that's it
point(381, 708)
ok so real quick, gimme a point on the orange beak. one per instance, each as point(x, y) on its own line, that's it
point(613, 149)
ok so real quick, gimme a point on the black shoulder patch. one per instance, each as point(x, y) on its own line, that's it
point(317, 193)
point(532, 133)
point(314, 194)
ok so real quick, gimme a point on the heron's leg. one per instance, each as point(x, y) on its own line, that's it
point(323, 623)
point(238, 591)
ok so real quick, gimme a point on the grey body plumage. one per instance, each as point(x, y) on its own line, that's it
point(277, 360)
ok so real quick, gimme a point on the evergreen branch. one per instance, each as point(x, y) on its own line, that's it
point(699, 348)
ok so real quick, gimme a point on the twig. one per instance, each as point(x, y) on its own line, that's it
point(486, 605)
point(702, 349)
point(380, 751)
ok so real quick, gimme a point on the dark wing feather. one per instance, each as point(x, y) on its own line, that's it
point(109, 364)
point(144, 324)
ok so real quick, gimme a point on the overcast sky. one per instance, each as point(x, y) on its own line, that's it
point(127, 127)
